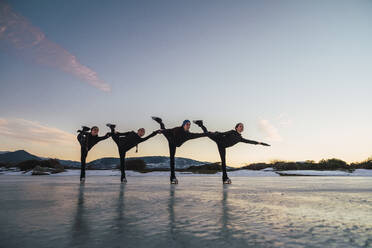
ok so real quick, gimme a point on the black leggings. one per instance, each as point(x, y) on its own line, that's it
point(172, 150)
point(221, 150)
point(122, 164)
point(83, 154)
point(83, 157)
point(175, 142)
point(172, 154)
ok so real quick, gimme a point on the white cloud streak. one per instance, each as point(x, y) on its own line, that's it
point(17, 33)
point(271, 132)
point(34, 132)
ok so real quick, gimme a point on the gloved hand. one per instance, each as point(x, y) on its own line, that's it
point(264, 144)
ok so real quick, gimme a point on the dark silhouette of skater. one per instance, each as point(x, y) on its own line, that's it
point(225, 140)
point(125, 142)
point(87, 140)
point(176, 137)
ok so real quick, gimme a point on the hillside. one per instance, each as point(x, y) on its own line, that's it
point(152, 162)
point(16, 157)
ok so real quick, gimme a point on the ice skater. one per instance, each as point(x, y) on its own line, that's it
point(125, 142)
point(87, 140)
point(225, 140)
point(176, 137)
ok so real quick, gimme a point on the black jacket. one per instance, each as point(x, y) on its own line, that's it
point(87, 140)
point(231, 138)
point(177, 136)
point(128, 140)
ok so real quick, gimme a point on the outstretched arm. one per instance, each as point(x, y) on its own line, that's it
point(196, 135)
point(104, 137)
point(249, 141)
point(253, 142)
point(149, 136)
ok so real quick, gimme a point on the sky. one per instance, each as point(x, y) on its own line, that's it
point(296, 73)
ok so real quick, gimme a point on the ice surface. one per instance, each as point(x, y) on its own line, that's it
point(58, 211)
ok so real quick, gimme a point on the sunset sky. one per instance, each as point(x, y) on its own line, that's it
point(296, 73)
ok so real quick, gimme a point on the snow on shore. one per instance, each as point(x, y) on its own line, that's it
point(358, 173)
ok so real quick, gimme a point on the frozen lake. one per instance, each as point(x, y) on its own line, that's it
point(57, 211)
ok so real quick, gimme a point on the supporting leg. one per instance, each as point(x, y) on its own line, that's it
point(222, 152)
point(84, 153)
point(172, 153)
point(122, 166)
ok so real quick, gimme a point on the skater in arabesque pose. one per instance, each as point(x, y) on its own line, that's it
point(176, 137)
point(87, 140)
point(125, 142)
point(225, 140)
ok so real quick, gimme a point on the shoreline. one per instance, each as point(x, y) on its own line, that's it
point(235, 173)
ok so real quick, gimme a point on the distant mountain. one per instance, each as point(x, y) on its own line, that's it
point(16, 156)
point(22, 155)
point(69, 163)
point(152, 162)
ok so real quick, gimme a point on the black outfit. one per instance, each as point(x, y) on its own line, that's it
point(125, 142)
point(87, 141)
point(176, 137)
point(224, 140)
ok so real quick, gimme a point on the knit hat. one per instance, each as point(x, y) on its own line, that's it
point(185, 122)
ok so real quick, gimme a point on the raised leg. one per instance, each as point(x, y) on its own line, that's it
point(115, 138)
point(212, 136)
point(160, 121)
point(201, 125)
point(81, 138)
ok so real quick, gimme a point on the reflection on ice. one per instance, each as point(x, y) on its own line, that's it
point(199, 212)
point(80, 226)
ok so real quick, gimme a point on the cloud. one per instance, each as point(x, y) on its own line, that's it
point(269, 130)
point(17, 33)
point(35, 132)
point(284, 120)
